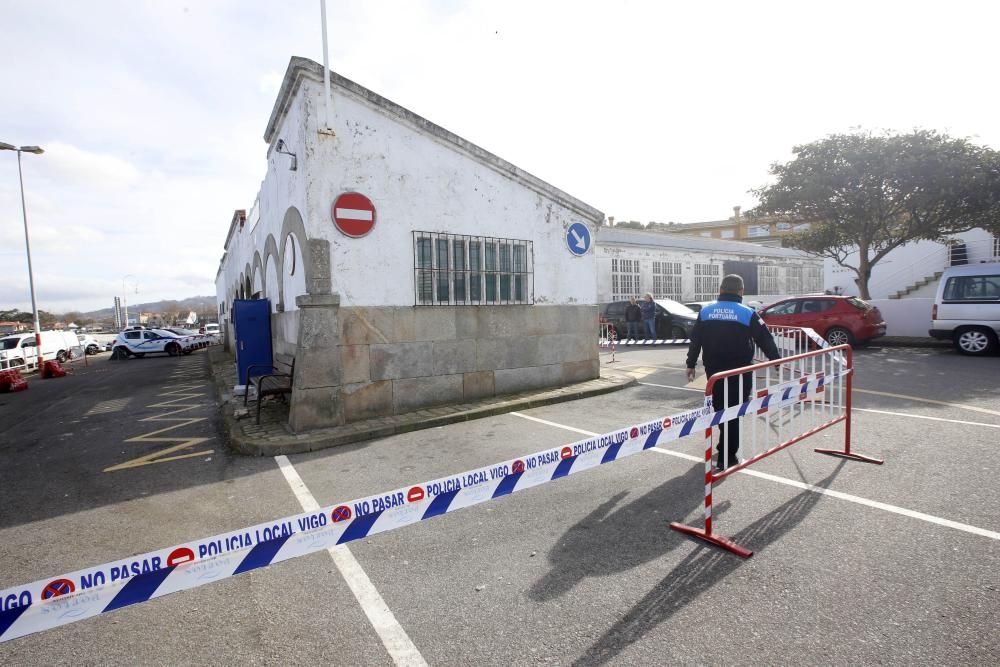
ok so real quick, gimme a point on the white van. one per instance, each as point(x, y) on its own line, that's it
point(18, 350)
point(967, 308)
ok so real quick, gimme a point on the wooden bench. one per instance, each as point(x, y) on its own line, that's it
point(275, 381)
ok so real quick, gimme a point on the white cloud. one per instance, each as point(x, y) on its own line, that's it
point(270, 83)
point(71, 166)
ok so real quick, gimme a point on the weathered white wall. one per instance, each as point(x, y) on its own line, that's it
point(905, 317)
point(417, 181)
point(907, 265)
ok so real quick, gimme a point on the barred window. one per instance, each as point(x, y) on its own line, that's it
point(996, 246)
point(706, 281)
point(453, 269)
point(667, 280)
point(624, 279)
point(768, 277)
point(793, 280)
point(813, 279)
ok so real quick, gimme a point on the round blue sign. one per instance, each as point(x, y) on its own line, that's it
point(578, 239)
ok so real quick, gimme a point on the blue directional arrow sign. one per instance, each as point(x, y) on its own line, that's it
point(578, 239)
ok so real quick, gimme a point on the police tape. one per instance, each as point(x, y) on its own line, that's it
point(604, 342)
point(56, 601)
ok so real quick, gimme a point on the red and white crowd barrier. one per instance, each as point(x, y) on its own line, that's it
point(788, 400)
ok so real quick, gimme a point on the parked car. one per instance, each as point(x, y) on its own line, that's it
point(696, 306)
point(199, 340)
point(673, 319)
point(839, 319)
point(19, 350)
point(140, 342)
point(967, 308)
point(89, 343)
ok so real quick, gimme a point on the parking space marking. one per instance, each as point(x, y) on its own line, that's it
point(182, 393)
point(114, 405)
point(659, 366)
point(936, 419)
point(929, 518)
point(960, 406)
point(879, 412)
point(669, 386)
point(401, 649)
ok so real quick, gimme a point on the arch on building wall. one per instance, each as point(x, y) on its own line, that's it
point(272, 287)
point(272, 262)
point(296, 267)
point(292, 224)
point(248, 282)
point(259, 286)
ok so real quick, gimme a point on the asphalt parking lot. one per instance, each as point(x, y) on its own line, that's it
point(891, 564)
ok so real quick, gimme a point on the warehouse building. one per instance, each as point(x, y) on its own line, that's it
point(404, 266)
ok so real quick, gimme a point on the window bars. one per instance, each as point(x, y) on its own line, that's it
point(456, 269)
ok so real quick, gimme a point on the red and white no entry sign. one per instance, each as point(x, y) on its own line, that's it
point(354, 214)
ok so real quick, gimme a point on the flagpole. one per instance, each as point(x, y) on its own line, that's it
point(326, 68)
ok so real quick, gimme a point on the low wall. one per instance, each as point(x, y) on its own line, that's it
point(905, 317)
point(401, 359)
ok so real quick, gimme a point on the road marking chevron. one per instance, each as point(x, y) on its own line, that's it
point(180, 403)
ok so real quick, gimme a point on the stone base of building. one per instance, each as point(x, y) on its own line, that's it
point(393, 360)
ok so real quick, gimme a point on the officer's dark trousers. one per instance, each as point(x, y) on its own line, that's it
point(729, 433)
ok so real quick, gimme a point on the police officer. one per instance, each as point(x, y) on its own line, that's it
point(725, 334)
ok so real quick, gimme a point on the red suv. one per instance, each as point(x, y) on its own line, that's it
point(838, 319)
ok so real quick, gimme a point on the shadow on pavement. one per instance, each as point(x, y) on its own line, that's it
point(612, 540)
point(700, 571)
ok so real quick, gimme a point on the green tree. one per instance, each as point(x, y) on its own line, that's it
point(870, 194)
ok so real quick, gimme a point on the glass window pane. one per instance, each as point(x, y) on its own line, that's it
point(424, 252)
point(476, 287)
point(520, 258)
point(491, 286)
point(442, 254)
point(505, 257)
point(475, 255)
point(491, 256)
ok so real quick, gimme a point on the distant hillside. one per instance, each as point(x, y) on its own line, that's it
point(203, 305)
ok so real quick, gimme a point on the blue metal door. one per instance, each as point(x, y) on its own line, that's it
point(252, 329)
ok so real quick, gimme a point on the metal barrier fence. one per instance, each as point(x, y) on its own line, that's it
point(769, 406)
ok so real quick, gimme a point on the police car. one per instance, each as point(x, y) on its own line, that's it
point(140, 342)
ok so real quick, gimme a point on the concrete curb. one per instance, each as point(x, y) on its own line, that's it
point(287, 442)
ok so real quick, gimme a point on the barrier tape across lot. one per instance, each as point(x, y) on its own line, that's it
point(604, 342)
point(72, 597)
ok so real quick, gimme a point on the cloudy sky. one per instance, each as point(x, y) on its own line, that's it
point(152, 113)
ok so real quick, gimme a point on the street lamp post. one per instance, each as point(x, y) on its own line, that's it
point(27, 246)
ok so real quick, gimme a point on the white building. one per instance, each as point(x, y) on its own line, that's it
point(903, 284)
point(690, 268)
point(913, 269)
point(464, 287)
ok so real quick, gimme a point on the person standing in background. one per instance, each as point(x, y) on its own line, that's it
point(648, 309)
point(633, 316)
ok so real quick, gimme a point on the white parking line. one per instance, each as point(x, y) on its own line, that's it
point(907, 397)
point(948, 523)
point(878, 412)
point(936, 419)
point(393, 636)
point(670, 386)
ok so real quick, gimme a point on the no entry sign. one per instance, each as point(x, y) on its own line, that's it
point(354, 214)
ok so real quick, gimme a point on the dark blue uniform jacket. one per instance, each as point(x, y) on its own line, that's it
point(725, 334)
